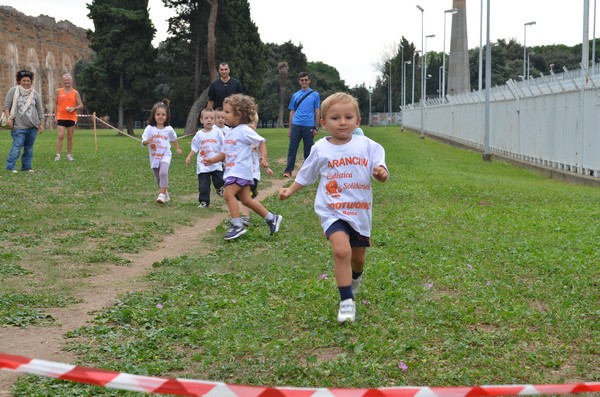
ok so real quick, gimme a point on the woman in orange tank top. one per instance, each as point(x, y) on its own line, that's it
point(67, 103)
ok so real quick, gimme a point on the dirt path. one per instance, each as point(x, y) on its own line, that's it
point(47, 343)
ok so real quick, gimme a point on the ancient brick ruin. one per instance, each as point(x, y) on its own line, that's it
point(42, 45)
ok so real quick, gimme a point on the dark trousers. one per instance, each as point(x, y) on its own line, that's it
point(299, 133)
point(204, 180)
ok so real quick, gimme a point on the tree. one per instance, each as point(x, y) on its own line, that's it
point(231, 19)
point(270, 100)
point(283, 78)
point(192, 120)
point(121, 75)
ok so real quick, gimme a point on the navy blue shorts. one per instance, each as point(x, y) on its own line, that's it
point(356, 240)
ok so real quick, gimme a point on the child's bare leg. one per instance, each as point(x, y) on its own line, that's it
point(245, 211)
point(358, 259)
point(342, 256)
point(232, 203)
point(249, 202)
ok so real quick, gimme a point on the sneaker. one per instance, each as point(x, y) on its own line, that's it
point(167, 197)
point(70, 157)
point(14, 171)
point(57, 157)
point(356, 285)
point(347, 311)
point(203, 205)
point(235, 232)
point(221, 191)
point(274, 224)
point(245, 220)
point(30, 170)
point(161, 199)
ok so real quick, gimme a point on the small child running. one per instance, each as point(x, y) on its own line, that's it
point(207, 143)
point(256, 156)
point(345, 164)
point(158, 136)
point(239, 111)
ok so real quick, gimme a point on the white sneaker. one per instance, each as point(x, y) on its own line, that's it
point(70, 157)
point(57, 157)
point(161, 199)
point(356, 285)
point(167, 197)
point(347, 311)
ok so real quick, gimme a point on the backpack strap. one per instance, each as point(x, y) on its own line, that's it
point(301, 99)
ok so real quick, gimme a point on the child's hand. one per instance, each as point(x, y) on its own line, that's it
point(187, 160)
point(380, 173)
point(284, 193)
point(269, 171)
point(179, 151)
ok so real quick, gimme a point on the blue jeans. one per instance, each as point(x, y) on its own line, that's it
point(298, 133)
point(22, 139)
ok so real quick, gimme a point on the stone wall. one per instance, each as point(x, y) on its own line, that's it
point(46, 47)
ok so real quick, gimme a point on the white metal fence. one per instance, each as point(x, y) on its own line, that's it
point(549, 120)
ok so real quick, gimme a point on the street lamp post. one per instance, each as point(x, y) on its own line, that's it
point(404, 77)
point(443, 82)
point(594, 36)
point(422, 72)
point(487, 155)
point(370, 89)
point(413, 76)
point(525, 48)
point(480, 44)
point(402, 81)
point(425, 63)
point(440, 71)
point(390, 93)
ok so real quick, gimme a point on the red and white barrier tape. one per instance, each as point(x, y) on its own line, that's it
point(183, 387)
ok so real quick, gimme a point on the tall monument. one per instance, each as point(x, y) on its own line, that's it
point(459, 78)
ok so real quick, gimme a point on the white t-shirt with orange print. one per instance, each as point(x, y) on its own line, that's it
point(238, 149)
point(346, 171)
point(208, 145)
point(160, 147)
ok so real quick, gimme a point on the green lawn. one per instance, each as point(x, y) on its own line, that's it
point(479, 273)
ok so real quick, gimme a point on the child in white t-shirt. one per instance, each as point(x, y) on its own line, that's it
point(220, 121)
point(256, 155)
point(158, 136)
point(345, 164)
point(239, 111)
point(207, 143)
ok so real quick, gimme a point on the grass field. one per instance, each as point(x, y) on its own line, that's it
point(479, 273)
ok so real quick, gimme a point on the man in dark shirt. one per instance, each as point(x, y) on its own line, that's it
point(222, 87)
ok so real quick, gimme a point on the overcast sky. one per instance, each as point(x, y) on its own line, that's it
point(354, 36)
